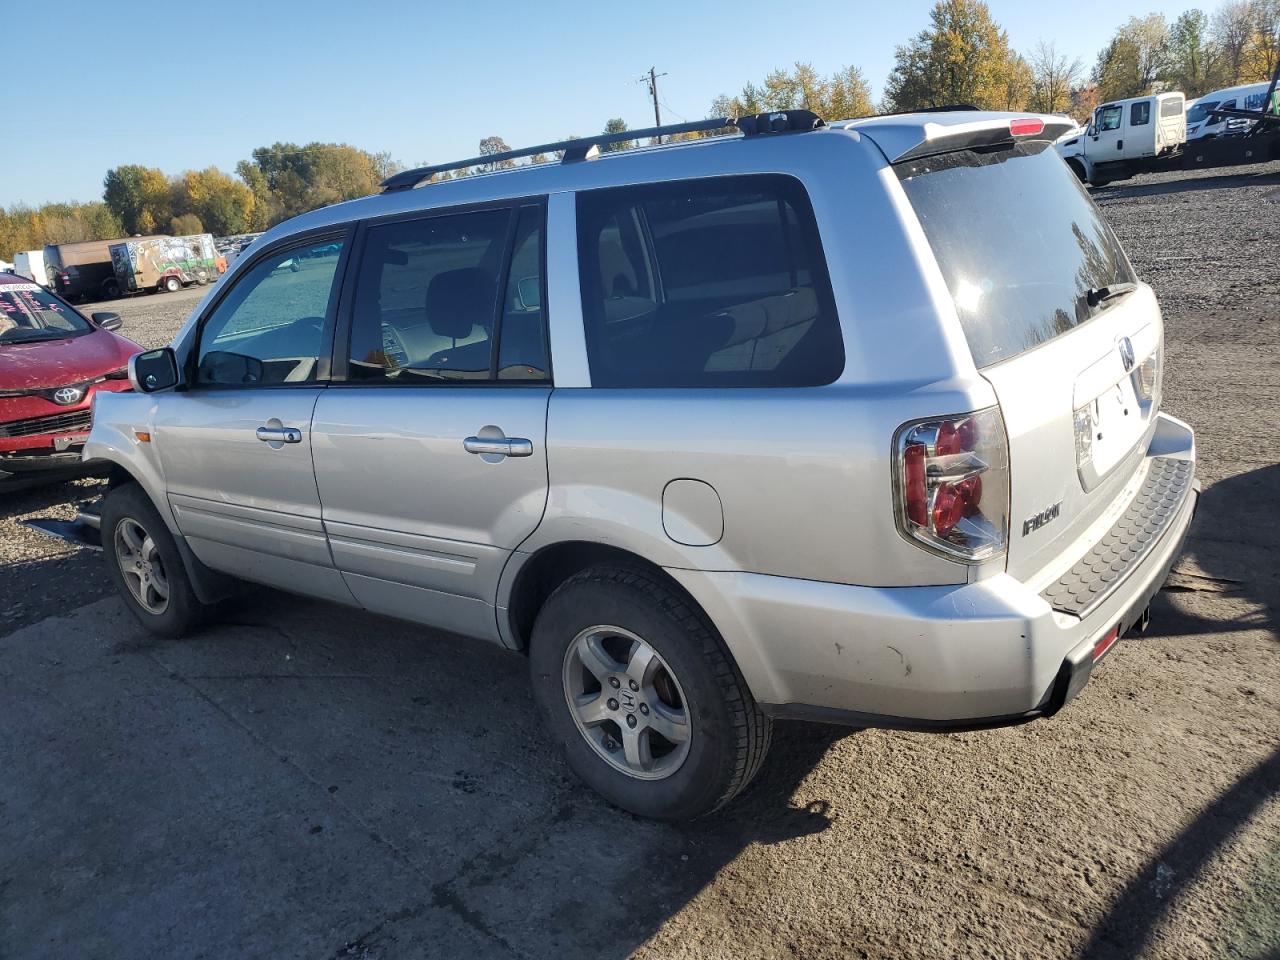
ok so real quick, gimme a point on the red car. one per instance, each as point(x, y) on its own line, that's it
point(52, 362)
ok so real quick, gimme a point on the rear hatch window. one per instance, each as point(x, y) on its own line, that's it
point(1019, 243)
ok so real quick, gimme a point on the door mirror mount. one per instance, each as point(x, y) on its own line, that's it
point(154, 370)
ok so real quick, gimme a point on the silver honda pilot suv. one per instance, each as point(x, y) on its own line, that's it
point(854, 422)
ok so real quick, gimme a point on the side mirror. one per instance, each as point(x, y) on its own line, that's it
point(154, 370)
point(108, 321)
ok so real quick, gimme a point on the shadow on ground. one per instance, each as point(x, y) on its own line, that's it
point(1231, 548)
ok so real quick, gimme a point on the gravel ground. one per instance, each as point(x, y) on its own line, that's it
point(320, 785)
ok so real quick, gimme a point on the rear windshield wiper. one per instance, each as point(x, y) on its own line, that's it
point(1097, 295)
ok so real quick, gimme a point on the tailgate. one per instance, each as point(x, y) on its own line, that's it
point(1078, 426)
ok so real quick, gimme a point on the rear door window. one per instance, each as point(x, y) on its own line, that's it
point(451, 297)
point(704, 283)
point(1019, 243)
point(1140, 113)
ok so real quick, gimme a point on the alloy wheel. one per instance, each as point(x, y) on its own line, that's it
point(627, 703)
point(141, 566)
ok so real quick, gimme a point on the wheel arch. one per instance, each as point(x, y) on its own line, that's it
point(536, 578)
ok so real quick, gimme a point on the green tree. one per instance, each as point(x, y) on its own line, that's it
point(1192, 64)
point(617, 125)
point(140, 197)
point(843, 95)
point(288, 179)
point(1136, 58)
point(964, 57)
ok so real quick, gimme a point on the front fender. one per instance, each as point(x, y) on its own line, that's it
point(117, 420)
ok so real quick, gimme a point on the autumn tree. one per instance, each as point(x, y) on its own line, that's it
point(221, 203)
point(963, 57)
point(490, 146)
point(1053, 77)
point(1262, 52)
point(287, 179)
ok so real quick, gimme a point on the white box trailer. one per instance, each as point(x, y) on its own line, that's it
point(30, 264)
point(1130, 136)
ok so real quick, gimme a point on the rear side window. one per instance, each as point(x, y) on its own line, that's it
point(1019, 243)
point(1140, 113)
point(705, 283)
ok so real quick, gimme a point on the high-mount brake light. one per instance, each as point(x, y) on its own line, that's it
point(1026, 127)
point(952, 484)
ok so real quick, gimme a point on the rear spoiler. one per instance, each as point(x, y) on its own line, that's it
point(905, 140)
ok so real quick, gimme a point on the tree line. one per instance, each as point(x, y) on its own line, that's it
point(962, 56)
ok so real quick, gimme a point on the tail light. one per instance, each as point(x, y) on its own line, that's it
point(952, 484)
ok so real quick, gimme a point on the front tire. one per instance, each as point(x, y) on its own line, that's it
point(144, 564)
point(647, 705)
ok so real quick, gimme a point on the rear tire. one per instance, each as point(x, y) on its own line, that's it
point(144, 564)
point(593, 638)
point(110, 290)
point(171, 284)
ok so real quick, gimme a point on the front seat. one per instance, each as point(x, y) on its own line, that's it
point(458, 301)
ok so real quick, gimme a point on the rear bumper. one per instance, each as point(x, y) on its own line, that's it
point(989, 653)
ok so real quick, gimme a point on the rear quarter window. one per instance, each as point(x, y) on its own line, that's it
point(1018, 242)
point(705, 283)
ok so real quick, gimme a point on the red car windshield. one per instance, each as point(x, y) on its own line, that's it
point(29, 312)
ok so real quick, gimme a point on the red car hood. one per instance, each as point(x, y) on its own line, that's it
point(53, 363)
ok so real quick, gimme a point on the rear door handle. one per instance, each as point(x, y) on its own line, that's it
point(502, 446)
point(279, 434)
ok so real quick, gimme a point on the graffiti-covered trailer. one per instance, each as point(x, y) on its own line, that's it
point(82, 271)
point(166, 263)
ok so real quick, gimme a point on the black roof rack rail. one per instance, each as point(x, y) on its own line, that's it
point(585, 148)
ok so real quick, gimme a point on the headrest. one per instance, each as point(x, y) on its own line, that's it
point(459, 299)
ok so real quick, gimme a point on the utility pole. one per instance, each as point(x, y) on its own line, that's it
point(651, 78)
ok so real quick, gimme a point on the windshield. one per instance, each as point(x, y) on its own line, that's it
point(1200, 111)
point(1019, 243)
point(29, 312)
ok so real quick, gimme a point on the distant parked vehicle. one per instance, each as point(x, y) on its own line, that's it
point(1203, 123)
point(30, 264)
point(166, 263)
point(83, 271)
point(1125, 137)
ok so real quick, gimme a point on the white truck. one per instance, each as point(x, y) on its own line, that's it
point(1125, 137)
point(30, 264)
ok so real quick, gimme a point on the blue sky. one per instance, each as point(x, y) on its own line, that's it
point(423, 81)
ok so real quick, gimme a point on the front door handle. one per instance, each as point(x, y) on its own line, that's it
point(279, 434)
point(501, 446)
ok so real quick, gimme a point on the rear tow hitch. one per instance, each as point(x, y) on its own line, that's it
point(1143, 621)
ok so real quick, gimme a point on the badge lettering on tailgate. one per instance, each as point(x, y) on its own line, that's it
point(1041, 518)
